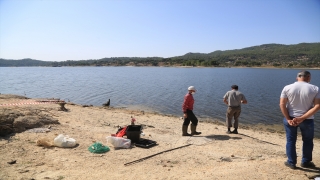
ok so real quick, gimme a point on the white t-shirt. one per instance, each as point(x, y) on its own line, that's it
point(300, 97)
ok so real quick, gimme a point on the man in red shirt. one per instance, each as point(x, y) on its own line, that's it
point(187, 108)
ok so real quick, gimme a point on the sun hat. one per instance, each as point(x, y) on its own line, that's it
point(192, 88)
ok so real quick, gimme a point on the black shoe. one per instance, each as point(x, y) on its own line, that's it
point(195, 133)
point(290, 165)
point(308, 165)
point(228, 132)
point(234, 132)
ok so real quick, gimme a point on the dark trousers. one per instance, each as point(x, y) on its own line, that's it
point(190, 117)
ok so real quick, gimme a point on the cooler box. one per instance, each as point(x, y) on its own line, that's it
point(133, 132)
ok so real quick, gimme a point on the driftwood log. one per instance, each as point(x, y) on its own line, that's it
point(62, 108)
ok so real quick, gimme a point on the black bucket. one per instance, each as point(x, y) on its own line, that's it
point(133, 132)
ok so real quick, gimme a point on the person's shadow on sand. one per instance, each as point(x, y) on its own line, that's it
point(259, 139)
point(221, 137)
point(312, 170)
point(227, 137)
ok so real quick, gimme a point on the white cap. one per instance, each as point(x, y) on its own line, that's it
point(192, 88)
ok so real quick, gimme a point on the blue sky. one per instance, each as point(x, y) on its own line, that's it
point(59, 30)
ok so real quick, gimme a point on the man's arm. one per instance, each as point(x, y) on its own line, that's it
point(244, 101)
point(185, 106)
point(284, 110)
point(309, 113)
point(225, 101)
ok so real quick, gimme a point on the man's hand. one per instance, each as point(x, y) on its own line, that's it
point(244, 102)
point(185, 115)
point(298, 120)
point(225, 101)
point(292, 122)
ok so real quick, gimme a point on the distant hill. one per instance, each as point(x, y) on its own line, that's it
point(266, 55)
point(299, 55)
point(23, 62)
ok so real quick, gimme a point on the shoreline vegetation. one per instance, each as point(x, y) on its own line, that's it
point(303, 55)
point(254, 153)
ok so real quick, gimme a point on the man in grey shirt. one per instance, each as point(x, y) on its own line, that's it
point(233, 99)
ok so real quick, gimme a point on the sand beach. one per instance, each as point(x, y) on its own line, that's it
point(251, 154)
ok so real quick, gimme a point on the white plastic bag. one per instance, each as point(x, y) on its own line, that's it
point(64, 141)
point(119, 142)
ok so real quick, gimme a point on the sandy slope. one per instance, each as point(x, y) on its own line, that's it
point(213, 155)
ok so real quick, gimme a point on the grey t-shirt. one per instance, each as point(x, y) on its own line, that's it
point(234, 98)
point(300, 98)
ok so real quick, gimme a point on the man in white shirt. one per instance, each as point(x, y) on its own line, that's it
point(298, 103)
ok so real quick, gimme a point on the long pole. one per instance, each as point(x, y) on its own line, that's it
point(142, 159)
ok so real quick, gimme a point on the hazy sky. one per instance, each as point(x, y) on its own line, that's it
point(59, 30)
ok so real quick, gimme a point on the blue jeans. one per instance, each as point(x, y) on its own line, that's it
point(307, 132)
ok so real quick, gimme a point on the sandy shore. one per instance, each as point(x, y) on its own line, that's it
point(214, 154)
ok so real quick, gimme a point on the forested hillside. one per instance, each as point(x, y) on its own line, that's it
point(23, 62)
point(266, 55)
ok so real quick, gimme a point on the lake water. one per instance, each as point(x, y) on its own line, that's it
point(159, 89)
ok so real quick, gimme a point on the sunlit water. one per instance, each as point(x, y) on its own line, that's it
point(158, 89)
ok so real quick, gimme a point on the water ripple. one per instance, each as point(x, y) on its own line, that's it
point(158, 89)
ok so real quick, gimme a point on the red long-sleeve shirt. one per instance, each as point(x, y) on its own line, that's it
point(188, 102)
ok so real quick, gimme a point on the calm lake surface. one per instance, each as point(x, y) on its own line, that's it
point(159, 89)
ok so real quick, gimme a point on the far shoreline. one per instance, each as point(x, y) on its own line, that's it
point(238, 67)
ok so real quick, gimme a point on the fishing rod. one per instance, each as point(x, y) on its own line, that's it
point(142, 159)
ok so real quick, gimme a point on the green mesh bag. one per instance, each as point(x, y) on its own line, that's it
point(98, 148)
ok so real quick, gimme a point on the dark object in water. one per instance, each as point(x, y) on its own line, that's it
point(107, 103)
